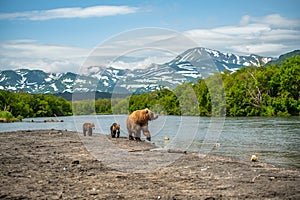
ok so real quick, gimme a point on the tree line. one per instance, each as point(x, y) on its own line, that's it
point(21, 105)
point(272, 90)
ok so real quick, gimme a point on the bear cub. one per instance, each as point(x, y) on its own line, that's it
point(115, 130)
point(88, 127)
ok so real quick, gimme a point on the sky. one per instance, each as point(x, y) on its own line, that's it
point(65, 35)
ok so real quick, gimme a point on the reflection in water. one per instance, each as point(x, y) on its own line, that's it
point(274, 140)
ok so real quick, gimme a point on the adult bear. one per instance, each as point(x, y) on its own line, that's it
point(88, 127)
point(137, 122)
point(115, 130)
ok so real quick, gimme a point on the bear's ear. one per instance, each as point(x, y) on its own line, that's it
point(146, 110)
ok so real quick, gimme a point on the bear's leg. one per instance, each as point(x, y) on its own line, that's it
point(113, 134)
point(84, 132)
point(131, 137)
point(90, 131)
point(118, 134)
point(129, 129)
point(146, 132)
point(138, 134)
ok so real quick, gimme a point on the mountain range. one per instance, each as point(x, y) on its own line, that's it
point(189, 66)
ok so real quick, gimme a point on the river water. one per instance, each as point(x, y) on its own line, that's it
point(274, 140)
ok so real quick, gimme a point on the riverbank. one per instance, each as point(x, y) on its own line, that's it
point(54, 164)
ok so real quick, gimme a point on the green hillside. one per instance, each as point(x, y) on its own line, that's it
point(283, 57)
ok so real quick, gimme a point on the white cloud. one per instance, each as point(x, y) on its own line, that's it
point(262, 48)
point(274, 20)
point(76, 12)
point(31, 48)
point(141, 64)
point(251, 29)
point(245, 20)
point(31, 54)
point(147, 45)
point(271, 35)
point(154, 45)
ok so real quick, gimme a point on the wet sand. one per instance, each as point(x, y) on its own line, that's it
point(54, 164)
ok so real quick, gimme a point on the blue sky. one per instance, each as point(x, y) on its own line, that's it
point(59, 35)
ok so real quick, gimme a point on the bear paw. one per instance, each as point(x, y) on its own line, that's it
point(131, 137)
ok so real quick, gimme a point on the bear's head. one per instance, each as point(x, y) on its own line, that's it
point(92, 125)
point(150, 115)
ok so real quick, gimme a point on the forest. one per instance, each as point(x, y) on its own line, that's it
point(16, 106)
point(271, 90)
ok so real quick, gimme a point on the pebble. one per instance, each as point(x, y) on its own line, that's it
point(75, 162)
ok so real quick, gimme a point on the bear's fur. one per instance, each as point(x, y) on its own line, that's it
point(88, 127)
point(137, 122)
point(115, 130)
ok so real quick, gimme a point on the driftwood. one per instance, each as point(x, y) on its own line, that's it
point(167, 151)
point(176, 151)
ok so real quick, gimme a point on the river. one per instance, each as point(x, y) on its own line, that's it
point(274, 140)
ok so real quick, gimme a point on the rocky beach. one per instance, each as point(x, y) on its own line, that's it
point(55, 164)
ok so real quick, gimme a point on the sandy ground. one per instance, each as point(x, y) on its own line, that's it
point(54, 164)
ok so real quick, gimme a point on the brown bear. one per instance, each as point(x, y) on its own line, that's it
point(115, 130)
point(88, 127)
point(137, 122)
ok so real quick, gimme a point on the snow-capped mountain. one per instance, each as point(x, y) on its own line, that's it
point(37, 81)
point(187, 67)
point(216, 61)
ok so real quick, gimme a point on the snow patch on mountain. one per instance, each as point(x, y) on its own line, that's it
point(189, 66)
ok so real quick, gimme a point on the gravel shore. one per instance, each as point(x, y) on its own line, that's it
point(55, 164)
